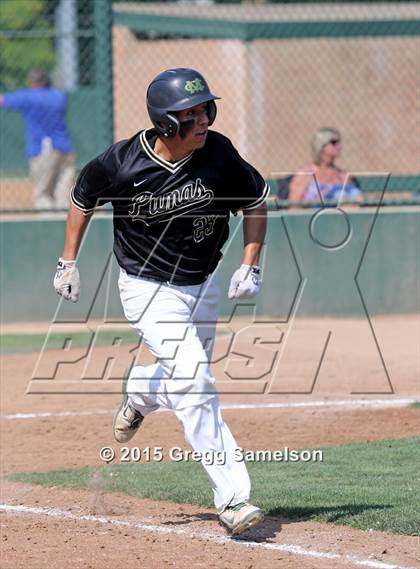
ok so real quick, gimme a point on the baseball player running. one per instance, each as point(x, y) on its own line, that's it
point(173, 188)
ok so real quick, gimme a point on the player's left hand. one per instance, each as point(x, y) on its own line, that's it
point(245, 282)
point(67, 280)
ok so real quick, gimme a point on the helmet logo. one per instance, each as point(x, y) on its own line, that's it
point(194, 86)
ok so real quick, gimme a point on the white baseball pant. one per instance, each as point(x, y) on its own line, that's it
point(178, 324)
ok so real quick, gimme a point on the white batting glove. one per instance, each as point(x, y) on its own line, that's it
point(245, 282)
point(67, 280)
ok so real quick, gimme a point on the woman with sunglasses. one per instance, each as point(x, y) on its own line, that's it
point(323, 180)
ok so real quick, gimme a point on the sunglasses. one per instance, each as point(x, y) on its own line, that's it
point(335, 141)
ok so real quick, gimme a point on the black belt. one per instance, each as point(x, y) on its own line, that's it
point(160, 280)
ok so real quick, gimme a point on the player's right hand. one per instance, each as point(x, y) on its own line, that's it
point(67, 280)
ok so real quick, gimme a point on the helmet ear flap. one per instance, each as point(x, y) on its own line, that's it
point(168, 129)
point(211, 112)
point(172, 128)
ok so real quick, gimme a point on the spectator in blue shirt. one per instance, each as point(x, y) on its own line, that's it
point(48, 145)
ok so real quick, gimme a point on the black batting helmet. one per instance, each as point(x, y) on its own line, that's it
point(177, 90)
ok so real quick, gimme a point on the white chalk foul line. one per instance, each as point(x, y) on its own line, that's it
point(368, 403)
point(344, 403)
point(54, 414)
point(218, 539)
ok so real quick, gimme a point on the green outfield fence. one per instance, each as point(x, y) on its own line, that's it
point(314, 264)
point(282, 69)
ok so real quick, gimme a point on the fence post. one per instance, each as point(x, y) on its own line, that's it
point(102, 16)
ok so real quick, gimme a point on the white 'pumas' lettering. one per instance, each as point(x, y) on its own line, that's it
point(151, 209)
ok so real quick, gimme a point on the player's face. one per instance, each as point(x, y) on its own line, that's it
point(194, 126)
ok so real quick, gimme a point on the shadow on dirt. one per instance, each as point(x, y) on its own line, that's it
point(277, 517)
point(323, 513)
point(265, 531)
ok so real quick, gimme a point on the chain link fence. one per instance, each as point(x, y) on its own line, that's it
point(283, 70)
point(70, 41)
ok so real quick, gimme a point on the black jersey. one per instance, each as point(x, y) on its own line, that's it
point(170, 218)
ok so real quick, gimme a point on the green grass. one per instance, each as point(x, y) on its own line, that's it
point(372, 485)
point(22, 343)
point(416, 405)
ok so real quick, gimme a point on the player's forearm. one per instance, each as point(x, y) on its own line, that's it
point(77, 222)
point(255, 226)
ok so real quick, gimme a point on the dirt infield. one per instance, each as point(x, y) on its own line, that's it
point(58, 528)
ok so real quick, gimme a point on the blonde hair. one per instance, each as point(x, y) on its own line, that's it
point(320, 138)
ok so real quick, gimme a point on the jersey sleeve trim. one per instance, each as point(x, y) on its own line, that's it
point(260, 200)
point(79, 205)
